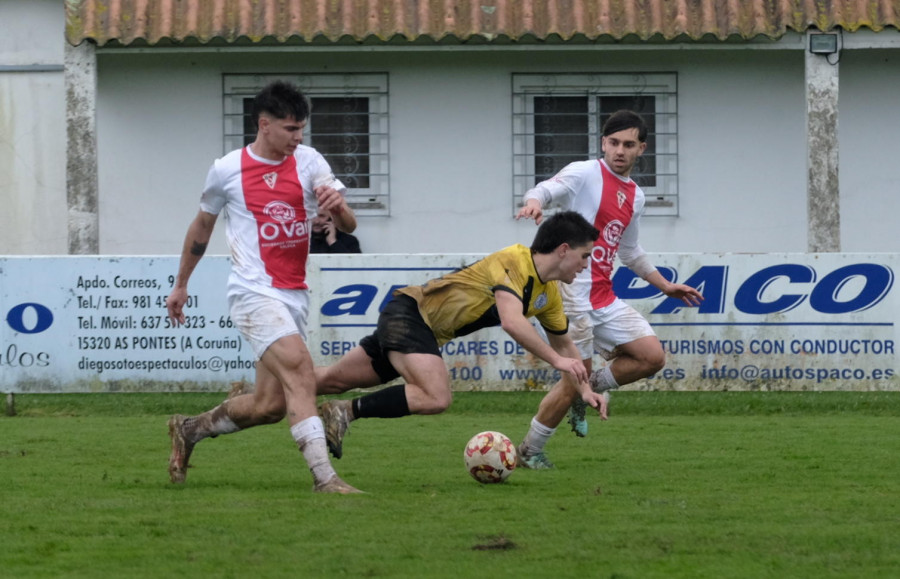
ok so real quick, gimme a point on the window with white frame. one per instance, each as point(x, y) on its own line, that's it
point(558, 119)
point(348, 125)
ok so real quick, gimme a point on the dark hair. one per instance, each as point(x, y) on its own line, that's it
point(625, 119)
point(281, 100)
point(564, 227)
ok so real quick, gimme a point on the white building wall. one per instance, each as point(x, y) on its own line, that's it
point(742, 159)
point(159, 127)
point(32, 128)
point(742, 162)
point(32, 32)
point(868, 125)
point(741, 145)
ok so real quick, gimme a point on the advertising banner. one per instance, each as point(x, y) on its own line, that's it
point(768, 322)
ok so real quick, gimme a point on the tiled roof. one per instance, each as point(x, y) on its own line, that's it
point(151, 22)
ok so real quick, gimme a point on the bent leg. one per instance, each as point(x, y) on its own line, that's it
point(403, 345)
point(353, 370)
point(427, 389)
point(638, 359)
point(553, 408)
point(289, 363)
point(288, 360)
point(427, 382)
point(558, 400)
point(427, 392)
point(264, 405)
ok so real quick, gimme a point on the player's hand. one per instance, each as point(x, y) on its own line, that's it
point(329, 199)
point(690, 296)
point(531, 210)
point(597, 400)
point(175, 305)
point(573, 366)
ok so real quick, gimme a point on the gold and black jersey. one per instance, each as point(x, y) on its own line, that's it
point(463, 301)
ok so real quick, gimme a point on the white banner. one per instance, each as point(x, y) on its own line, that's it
point(769, 322)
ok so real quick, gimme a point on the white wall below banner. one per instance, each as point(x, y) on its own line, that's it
point(769, 322)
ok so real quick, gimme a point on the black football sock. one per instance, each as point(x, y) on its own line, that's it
point(388, 402)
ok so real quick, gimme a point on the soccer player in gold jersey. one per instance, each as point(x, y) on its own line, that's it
point(504, 289)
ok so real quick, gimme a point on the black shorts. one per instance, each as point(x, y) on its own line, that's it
point(400, 329)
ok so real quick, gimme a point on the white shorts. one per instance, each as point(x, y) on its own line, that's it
point(602, 330)
point(263, 319)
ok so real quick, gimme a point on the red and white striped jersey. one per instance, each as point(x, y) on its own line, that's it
point(268, 209)
point(614, 206)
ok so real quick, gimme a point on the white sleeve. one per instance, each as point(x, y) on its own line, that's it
point(213, 198)
point(323, 175)
point(630, 251)
point(560, 188)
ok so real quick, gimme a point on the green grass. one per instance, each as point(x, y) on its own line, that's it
point(691, 485)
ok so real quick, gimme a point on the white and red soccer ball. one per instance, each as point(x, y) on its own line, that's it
point(490, 457)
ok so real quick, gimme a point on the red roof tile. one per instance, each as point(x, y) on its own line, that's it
point(128, 22)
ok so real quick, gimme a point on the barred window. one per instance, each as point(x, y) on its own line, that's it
point(558, 119)
point(348, 125)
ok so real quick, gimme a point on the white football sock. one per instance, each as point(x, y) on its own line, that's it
point(309, 435)
point(537, 437)
point(605, 380)
point(209, 424)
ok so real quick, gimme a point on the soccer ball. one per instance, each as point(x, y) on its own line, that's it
point(490, 457)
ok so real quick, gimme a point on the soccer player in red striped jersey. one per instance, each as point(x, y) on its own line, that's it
point(269, 192)
point(603, 192)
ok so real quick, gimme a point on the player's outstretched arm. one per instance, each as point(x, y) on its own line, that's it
point(531, 210)
point(566, 347)
point(195, 243)
point(514, 323)
point(690, 296)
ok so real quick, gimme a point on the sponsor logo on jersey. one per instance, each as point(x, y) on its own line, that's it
point(612, 233)
point(280, 211)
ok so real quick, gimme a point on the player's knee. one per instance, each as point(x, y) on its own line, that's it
point(326, 383)
point(329, 388)
point(437, 403)
point(270, 411)
point(272, 415)
point(655, 361)
point(298, 366)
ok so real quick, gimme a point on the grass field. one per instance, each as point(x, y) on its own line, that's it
point(675, 484)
